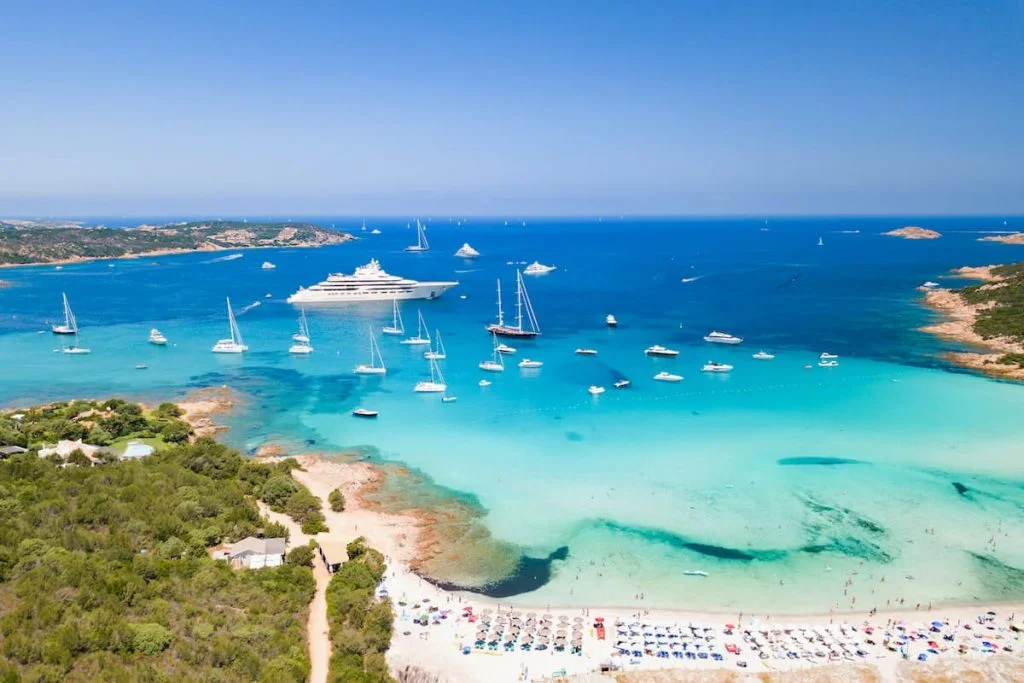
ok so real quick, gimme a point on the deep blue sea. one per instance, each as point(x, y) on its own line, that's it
point(779, 481)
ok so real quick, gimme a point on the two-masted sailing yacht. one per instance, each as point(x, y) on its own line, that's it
point(235, 343)
point(70, 327)
point(397, 327)
point(437, 352)
point(376, 366)
point(523, 305)
point(301, 338)
point(496, 363)
point(436, 384)
point(422, 336)
point(421, 239)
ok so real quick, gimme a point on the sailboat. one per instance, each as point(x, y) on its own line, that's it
point(421, 327)
point(438, 352)
point(522, 303)
point(397, 327)
point(235, 343)
point(435, 385)
point(70, 326)
point(821, 243)
point(496, 363)
point(421, 239)
point(301, 338)
point(376, 366)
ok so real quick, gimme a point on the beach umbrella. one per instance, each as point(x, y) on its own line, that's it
point(599, 620)
point(517, 614)
point(545, 632)
point(561, 633)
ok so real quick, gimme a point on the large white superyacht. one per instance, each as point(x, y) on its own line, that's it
point(368, 283)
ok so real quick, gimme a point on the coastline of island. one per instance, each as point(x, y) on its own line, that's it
point(1010, 238)
point(913, 232)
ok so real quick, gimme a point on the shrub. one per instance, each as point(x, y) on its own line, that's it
point(277, 491)
point(168, 410)
point(301, 556)
point(150, 638)
point(337, 500)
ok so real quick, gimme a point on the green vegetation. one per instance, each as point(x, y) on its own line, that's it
point(337, 500)
point(272, 483)
point(31, 243)
point(1005, 317)
point(302, 556)
point(104, 573)
point(360, 624)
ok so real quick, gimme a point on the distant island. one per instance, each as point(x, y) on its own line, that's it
point(988, 315)
point(1012, 238)
point(31, 242)
point(912, 232)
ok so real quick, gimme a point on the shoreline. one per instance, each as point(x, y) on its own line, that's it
point(200, 406)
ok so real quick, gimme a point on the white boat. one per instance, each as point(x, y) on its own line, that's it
point(235, 343)
point(595, 390)
point(610, 321)
point(300, 349)
point(526, 363)
point(302, 336)
point(820, 242)
point(267, 265)
point(397, 327)
point(586, 352)
point(75, 349)
point(505, 348)
point(694, 572)
point(436, 384)
point(421, 239)
point(621, 384)
point(157, 337)
point(375, 231)
point(712, 366)
point(763, 355)
point(523, 304)
point(827, 356)
point(365, 413)
point(438, 352)
point(828, 364)
point(449, 399)
point(658, 350)
point(363, 229)
point(497, 362)
point(484, 383)
point(376, 366)
point(722, 338)
point(368, 283)
point(141, 366)
point(667, 377)
point(538, 268)
point(466, 251)
point(70, 325)
point(930, 284)
point(421, 329)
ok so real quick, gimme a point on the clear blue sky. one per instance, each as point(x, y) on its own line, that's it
point(711, 107)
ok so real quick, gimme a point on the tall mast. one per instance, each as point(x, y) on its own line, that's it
point(519, 301)
point(501, 315)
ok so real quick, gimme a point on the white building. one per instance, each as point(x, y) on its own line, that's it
point(255, 553)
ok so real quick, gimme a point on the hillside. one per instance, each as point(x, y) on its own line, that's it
point(23, 243)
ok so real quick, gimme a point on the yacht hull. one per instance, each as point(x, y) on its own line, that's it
point(511, 332)
point(422, 290)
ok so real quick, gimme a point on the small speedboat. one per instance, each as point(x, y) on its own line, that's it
point(505, 348)
point(712, 366)
point(526, 363)
point(610, 321)
point(484, 383)
point(828, 363)
point(930, 285)
point(375, 231)
point(828, 356)
point(363, 412)
point(449, 399)
point(658, 350)
point(595, 390)
point(538, 268)
point(763, 355)
point(267, 265)
point(621, 384)
point(586, 352)
point(667, 377)
point(141, 366)
point(694, 572)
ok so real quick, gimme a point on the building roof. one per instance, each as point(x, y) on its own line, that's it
point(258, 546)
point(333, 551)
point(11, 450)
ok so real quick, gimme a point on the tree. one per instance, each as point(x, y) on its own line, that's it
point(274, 530)
point(78, 457)
point(98, 436)
point(168, 410)
point(337, 500)
point(301, 556)
point(175, 431)
point(278, 490)
point(150, 638)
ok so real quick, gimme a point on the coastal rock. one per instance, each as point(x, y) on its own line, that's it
point(912, 232)
point(1014, 238)
point(975, 273)
point(199, 407)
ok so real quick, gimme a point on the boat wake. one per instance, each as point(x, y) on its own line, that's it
point(471, 270)
point(229, 257)
point(251, 306)
point(692, 279)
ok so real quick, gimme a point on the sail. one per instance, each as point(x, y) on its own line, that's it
point(526, 304)
point(236, 333)
point(421, 236)
point(69, 317)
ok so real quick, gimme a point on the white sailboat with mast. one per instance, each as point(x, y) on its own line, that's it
point(70, 325)
point(496, 363)
point(438, 352)
point(376, 366)
point(436, 384)
point(524, 310)
point(301, 338)
point(235, 343)
point(421, 330)
point(397, 327)
point(421, 239)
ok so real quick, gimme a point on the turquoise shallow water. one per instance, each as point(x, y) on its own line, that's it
point(781, 482)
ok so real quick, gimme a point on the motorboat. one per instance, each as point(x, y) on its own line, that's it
point(930, 285)
point(828, 363)
point(376, 366)
point(375, 231)
point(526, 363)
point(828, 356)
point(526, 326)
point(712, 366)
point(365, 413)
point(722, 338)
point(621, 384)
point(610, 321)
point(661, 351)
point(763, 355)
point(505, 348)
point(667, 377)
point(694, 572)
point(466, 251)
point(234, 344)
point(484, 383)
point(538, 268)
point(76, 350)
point(421, 239)
point(496, 362)
point(267, 265)
point(449, 399)
point(419, 339)
point(157, 337)
point(436, 383)
point(141, 366)
point(595, 390)
point(70, 325)
point(586, 352)
point(368, 283)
